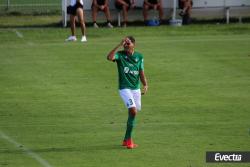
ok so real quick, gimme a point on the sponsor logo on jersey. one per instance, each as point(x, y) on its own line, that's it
point(128, 71)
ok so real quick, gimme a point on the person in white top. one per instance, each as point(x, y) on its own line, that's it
point(76, 10)
point(73, 2)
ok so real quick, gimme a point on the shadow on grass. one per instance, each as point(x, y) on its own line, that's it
point(92, 148)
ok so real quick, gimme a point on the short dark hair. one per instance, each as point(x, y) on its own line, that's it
point(131, 38)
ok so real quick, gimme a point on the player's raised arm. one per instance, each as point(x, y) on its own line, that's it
point(111, 55)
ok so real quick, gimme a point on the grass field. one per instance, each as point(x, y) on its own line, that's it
point(35, 7)
point(59, 101)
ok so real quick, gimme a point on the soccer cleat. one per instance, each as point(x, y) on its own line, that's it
point(95, 25)
point(84, 39)
point(109, 25)
point(71, 38)
point(131, 144)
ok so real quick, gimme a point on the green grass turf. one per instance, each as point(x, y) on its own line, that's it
point(60, 99)
point(24, 2)
point(29, 21)
point(30, 6)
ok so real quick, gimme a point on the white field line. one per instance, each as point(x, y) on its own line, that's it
point(33, 155)
point(18, 33)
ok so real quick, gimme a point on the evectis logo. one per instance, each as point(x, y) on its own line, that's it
point(225, 157)
point(228, 157)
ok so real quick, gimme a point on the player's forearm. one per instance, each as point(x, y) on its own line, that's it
point(144, 82)
point(111, 55)
point(143, 79)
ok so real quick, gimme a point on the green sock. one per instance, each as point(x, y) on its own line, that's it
point(130, 125)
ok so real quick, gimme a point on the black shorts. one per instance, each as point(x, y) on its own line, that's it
point(119, 6)
point(72, 9)
point(99, 2)
point(153, 1)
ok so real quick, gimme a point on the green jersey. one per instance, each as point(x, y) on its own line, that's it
point(129, 67)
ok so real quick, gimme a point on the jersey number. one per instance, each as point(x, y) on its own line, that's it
point(130, 102)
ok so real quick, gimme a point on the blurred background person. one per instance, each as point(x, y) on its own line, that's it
point(76, 10)
point(124, 5)
point(101, 5)
point(186, 8)
point(152, 4)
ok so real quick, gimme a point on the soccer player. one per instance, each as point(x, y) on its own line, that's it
point(76, 9)
point(131, 71)
point(101, 5)
point(152, 4)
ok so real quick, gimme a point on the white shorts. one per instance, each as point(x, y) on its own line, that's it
point(131, 98)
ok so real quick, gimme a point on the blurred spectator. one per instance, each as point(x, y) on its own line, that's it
point(76, 9)
point(152, 4)
point(124, 5)
point(186, 6)
point(101, 5)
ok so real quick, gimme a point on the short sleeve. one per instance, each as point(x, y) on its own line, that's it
point(117, 56)
point(141, 67)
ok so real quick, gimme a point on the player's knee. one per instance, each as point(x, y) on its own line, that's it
point(133, 111)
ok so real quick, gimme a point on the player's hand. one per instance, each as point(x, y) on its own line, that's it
point(145, 89)
point(122, 42)
point(125, 41)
